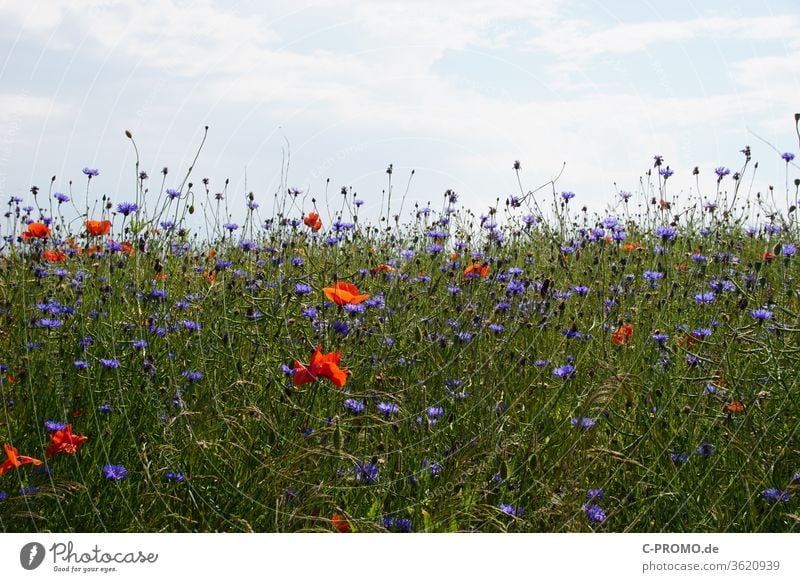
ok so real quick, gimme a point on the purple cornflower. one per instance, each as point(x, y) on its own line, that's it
point(111, 364)
point(788, 250)
point(366, 473)
point(625, 195)
point(660, 338)
point(787, 156)
point(679, 458)
point(705, 449)
point(115, 472)
point(594, 512)
point(400, 524)
point(126, 208)
point(567, 196)
point(172, 193)
point(666, 232)
point(61, 197)
point(583, 422)
point(341, 328)
point(91, 172)
point(176, 477)
point(761, 314)
point(53, 425)
point(509, 509)
point(666, 172)
point(721, 172)
point(566, 371)
point(387, 408)
point(705, 297)
point(230, 226)
point(355, 406)
point(302, 289)
point(593, 494)
point(80, 364)
point(192, 376)
point(774, 495)
point(106, 408)
point(435, 411)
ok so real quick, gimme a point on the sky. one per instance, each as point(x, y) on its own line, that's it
point(456, 91)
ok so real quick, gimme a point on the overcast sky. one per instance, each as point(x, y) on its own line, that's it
point(455, 90)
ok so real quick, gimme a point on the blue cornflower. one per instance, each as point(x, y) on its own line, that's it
point(679, 458)
point(625, 195)
point(593, 494)
point(660, 338)
point(721, 172)
point(172, 193)
point(705, 449)
point(80, 364)
point(435, 411)
point(167, 224)
point(302, 289)
point(387, 408)
point(341, 327)
point(106, 408)
point(355, 406)
point(705, 297)
point(115, 472)
point(788, 250)
point(509, 509)
point(110, 363)
point(30, 490)
point(774, 495)
point(192, 376)
point(496, 328)
point(366, 472)
point(230, 226)
point(191, 325)
point(400, 524)
point(787, 156)
point(761, 314)
point(567, 196)
point(310, 312)
point(91, 172)
point(666, 172)
point(3, 495)
point(126, 208)
point(583, 422)
point(176, 477)
point(594, 512)
point(666, 232)
point(53, 425)
point(581, 289)
point(515, 286)
point(61, 197)
point(565, 371)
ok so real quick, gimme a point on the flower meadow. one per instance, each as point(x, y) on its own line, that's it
point(536, 368)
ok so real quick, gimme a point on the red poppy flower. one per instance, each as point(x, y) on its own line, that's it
point(344, 293)
point(15, 459)
point(65, 442)
point(622, 334)
point(340, 524)
point(381, 269)
point(326, 366)
point(36, 230)
point(54, 256)
point(98, 227)
point(767, 257)
point(734, 407)
point(476, 270)
point(312, 221)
